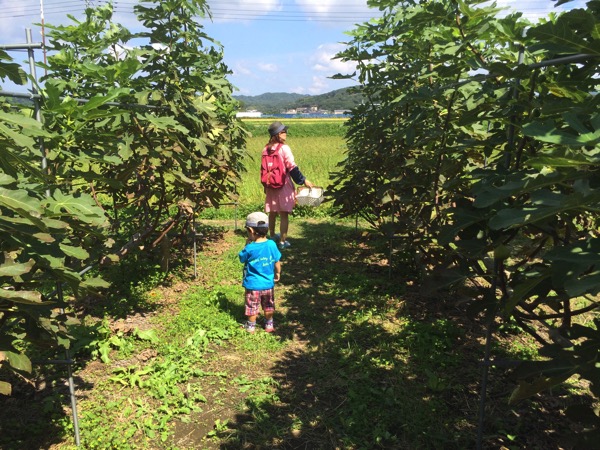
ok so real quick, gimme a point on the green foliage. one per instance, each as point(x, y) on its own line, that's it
point(41, 241)
point(98, 340)
point(166, 387)
point(137, 398)
point(357, 361)
point(179, 149)
point(478, 150)
point(134, 142)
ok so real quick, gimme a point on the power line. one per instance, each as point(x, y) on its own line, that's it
point(50, 9)
point(34, 7)
point(248, 6)
point(256, 5)
point(282, 13)
point(232, 11)
point(242, 15)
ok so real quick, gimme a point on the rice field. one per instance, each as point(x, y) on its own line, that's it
point(318, 146)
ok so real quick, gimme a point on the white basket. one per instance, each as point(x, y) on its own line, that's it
point(309, 196)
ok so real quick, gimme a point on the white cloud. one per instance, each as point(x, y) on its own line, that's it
point(318, 85)
point(252, 70)
point(334, 7)
point(309, 74)
point(323, 60)
point(240, 68)
point(298, 90)
point(268, 67)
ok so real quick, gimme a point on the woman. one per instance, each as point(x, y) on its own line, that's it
point(280, 202)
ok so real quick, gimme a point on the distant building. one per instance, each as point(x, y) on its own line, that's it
point(341, 111)
point(252, 113)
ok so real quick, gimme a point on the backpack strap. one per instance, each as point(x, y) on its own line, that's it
point(277, 150)
point(270, 150)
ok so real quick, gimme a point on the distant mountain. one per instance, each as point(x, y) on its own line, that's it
point(276, 102)
point(268, 103)
point(346, 98)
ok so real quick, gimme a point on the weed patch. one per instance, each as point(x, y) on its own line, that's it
point(358, 360)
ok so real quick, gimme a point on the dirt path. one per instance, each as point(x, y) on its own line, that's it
point(290, 416)
point(362, 362)
point(358, 360)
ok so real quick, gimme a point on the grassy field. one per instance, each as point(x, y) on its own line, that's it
point(318, 146)
point(359, 360)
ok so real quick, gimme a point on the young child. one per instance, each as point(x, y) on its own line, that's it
point(262, 269)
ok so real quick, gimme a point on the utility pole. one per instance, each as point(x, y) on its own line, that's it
point(43, 35)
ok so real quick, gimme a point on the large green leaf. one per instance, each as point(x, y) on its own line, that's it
point(18, 361)
point(15, 270)
point(6, 179)
point(146, 335)
point(74, 252)
point(18, 138)
point(527, 389)
point(546, 208)
point(524, 289)
point(587, 284)
point(26, 297)
point(165, 123)
point(12, 71)
point(5, 388)
point(568, 33)
point(26, 124)
point(45, 223)
point(100, 100)
point(94, 283)
point(20, 201)
point(82, 207)
point(586, 253)
point(557, 161)
point(493, 188)
point(548, 131)
point(460, 219)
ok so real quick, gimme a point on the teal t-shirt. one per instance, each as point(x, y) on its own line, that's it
point(259, 260)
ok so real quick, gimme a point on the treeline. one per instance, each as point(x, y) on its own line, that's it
point(275, 102)
point(479, 155)
point(124, 170)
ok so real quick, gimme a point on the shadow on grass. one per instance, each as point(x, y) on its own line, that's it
point(33, 417)
point(36, 415)
point(381, 366)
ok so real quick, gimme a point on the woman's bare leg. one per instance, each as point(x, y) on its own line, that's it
point(272, 220)
point(283, 225)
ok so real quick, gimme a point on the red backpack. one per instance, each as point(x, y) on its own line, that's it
point(273, 173)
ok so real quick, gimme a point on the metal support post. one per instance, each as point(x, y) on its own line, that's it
point(70, 377)
point(194, 240)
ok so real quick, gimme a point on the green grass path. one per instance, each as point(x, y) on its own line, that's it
point(359, 360)
point(346, 368)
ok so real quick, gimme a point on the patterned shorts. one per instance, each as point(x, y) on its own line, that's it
point(256, 299)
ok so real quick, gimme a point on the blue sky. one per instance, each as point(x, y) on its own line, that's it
point(270, 45)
